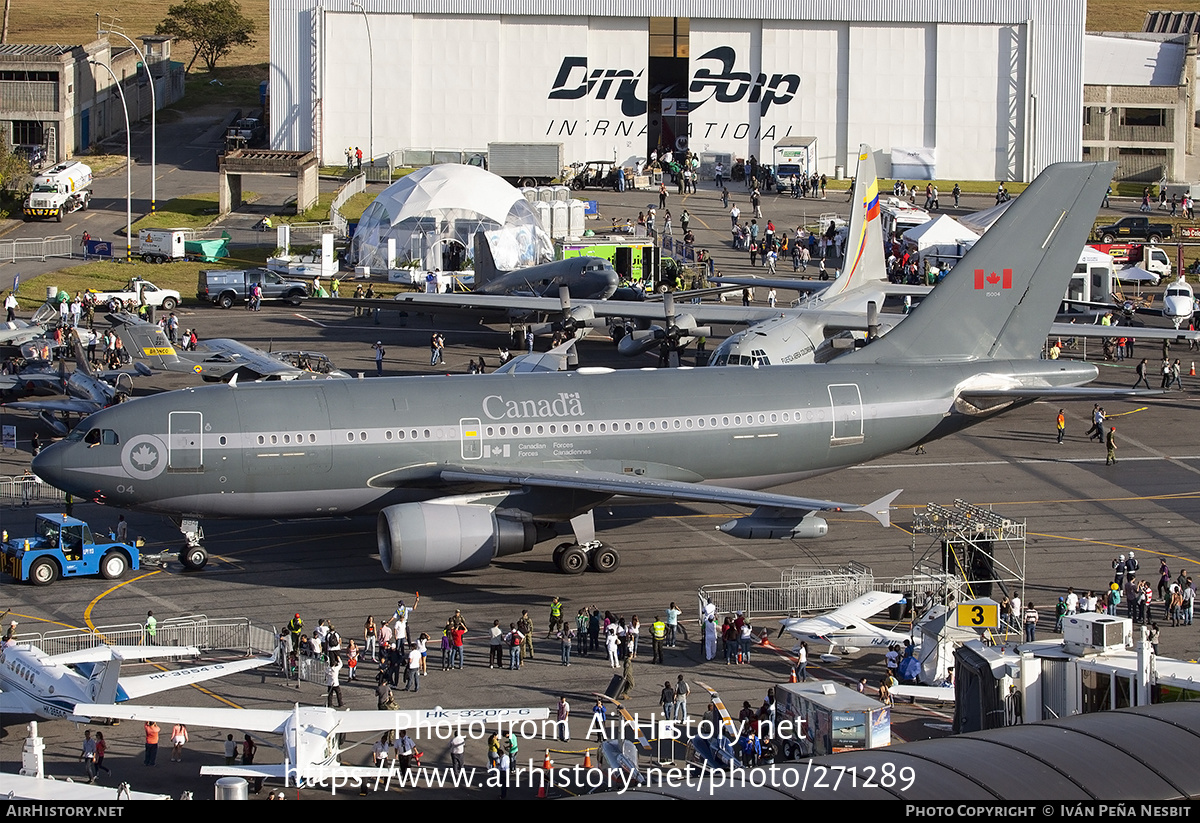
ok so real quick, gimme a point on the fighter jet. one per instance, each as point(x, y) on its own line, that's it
point(219, 359)
point(86, 390)
point(463, 469)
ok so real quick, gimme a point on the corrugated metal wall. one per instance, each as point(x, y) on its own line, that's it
point(1042, 98)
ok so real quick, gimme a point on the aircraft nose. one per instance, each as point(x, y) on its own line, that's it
point(47, 465)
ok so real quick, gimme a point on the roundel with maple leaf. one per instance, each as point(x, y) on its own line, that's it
point(144, 456)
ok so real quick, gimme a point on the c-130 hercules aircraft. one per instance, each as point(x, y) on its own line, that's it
point(465, 469)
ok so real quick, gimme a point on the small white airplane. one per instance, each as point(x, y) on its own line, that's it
point(50, 686)
point(312, 734)
point(845, 628)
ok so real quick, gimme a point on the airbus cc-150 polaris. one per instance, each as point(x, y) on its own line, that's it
point(464, 469)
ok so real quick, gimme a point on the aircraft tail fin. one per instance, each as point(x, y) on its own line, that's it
point(102, 685)
point(81, 362)
point(485, 263)
point(864, 258)
point(999, 301)
point(144, 340)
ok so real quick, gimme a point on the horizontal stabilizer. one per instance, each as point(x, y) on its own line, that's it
point(145, 684)
point(100, 654)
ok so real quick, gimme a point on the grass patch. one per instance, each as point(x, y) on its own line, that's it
point(353, 208)
point(194, 211)
point(234, 85)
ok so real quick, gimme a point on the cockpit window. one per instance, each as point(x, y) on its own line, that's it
point(101, 437)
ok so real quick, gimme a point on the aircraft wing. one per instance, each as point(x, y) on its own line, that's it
point(883, 286)
point(794, 283)
point(648, 310)
point(252, 720)
point(61, 406)
point(221, 357)
point(850, 617)
point(378, 721)
point(1140, 332)
point(144, 684)
point(633, 486)
point(102, 654)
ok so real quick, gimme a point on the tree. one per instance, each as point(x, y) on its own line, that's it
point(214, 28)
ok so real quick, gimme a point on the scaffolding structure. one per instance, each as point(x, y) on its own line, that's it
point(976, 545)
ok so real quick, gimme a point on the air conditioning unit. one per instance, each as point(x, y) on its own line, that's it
point(1096, 633)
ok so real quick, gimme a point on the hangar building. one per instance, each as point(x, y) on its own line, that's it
point(987, 89)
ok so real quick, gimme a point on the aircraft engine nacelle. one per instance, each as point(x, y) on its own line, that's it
point(432, 538)
point(776, 528)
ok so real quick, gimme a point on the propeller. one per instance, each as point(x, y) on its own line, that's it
point(573, 321)
point(674, 336)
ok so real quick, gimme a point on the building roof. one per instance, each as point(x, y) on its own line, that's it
point(1172, 22)
point(1115, 60)
point(25, 51)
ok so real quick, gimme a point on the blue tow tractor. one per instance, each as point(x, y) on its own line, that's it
point(64, 546)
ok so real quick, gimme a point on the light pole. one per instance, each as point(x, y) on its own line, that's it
point(153, 115)
point(371, 85)
point(128, 164)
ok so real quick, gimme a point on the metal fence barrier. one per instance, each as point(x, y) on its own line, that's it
point(16, 491)
point(36, 248)
point(309, 234)
point(229, 634)
point(799, 590)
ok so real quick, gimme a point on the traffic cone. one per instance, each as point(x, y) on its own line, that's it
point(792, 677)
point(587, 758)
point(1193, 371)
point(547, 763)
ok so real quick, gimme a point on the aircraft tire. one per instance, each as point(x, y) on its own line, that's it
point(605, 560)
point(193, 558)
point(574, 560)
point(559, 550)
point(113, 565)
point(43, 572)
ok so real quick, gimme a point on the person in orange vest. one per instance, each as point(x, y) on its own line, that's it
point(1061, 423)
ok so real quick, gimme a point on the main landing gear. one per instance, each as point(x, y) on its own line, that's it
point(193, 556)
point(586, 552)
point(573, 558)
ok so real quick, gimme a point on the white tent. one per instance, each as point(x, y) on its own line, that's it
point(434, 213)
point(942, 240)
point(981, 221)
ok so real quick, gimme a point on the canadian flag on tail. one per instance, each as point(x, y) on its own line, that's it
point(983, 280)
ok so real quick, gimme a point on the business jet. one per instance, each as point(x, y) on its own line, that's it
point(464, 469)
point(49, 686)
point(312, 734)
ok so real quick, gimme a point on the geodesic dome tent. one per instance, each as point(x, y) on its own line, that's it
point(434, 213)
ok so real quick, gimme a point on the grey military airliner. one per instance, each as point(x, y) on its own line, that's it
point(463, 469)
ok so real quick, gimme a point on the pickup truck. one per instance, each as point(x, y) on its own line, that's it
point(228, 286)
point(63, 546)
point(1134, 228)
point(136, 289)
